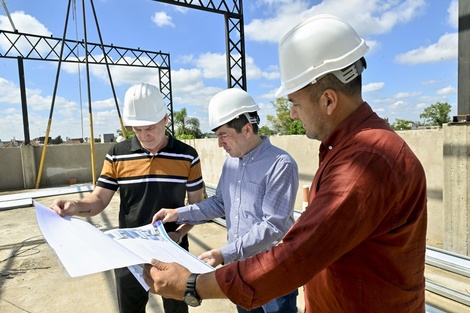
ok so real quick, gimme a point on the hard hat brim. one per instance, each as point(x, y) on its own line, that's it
point(139, 123)
point(281, 92)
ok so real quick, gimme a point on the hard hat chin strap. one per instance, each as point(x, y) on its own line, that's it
point(350, 72)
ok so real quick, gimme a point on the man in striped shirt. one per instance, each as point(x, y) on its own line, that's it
point(152, 170)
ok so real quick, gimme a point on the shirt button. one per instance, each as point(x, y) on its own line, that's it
point(330, 147)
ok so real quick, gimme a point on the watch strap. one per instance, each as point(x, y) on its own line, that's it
point(191, 297)
point(191, 284)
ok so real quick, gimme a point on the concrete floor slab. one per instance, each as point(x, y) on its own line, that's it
point(32, 279)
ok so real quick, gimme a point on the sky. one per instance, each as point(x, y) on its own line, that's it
point(412, 60)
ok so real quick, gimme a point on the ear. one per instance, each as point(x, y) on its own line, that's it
point(330, 98)
point(247, 129)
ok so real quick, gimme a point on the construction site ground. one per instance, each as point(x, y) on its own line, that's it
point(33, 280)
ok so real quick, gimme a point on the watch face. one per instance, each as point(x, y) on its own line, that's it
point(191, 300)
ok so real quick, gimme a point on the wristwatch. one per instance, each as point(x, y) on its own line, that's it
point(190, 296)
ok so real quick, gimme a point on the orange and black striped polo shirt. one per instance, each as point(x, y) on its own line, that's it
point(149, 182)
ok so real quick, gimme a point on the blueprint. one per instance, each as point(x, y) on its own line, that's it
point(83, 249)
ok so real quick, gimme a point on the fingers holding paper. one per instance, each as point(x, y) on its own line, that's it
point(64, 207)
point(213, 257)
point(165, 215)
point(166, 279)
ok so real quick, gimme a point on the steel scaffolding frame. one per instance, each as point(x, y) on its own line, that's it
point(24, 46)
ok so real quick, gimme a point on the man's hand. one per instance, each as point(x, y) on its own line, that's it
point(64, 207)
point(165, 215)
point(166, 279)
point(91, 205)
point(213, 257)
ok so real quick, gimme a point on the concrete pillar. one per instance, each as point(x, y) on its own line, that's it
point(456, 187)
point(29, 166)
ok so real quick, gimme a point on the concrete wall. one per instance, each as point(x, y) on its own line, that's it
point(426, 144)
point(69, 161)
point(428, 147)
point(11, 169)
point(61, 162)
point(74, 161)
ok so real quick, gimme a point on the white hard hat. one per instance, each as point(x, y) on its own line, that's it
point(320, 45)
point(229, 104)
point(143, 105)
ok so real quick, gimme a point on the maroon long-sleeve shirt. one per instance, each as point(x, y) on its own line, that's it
point(360, 245)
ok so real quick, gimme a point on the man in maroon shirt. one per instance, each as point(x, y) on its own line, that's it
point(360, 245)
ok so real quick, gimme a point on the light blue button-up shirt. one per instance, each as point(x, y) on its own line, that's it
point(256, 194)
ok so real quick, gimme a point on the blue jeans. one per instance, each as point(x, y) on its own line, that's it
point(285, 304)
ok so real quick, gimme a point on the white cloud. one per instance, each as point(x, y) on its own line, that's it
point(198, 98)
point(185, 59)
point(373, 45)
point(403, 95)
point(286, 15)
point(25, 23)
point(162, 19)
point(104, 104)
point(201, 76)
point(379, 110)
point(371, 17)
point(121, 75)
point(429, 82)
point(11, 113)
point(367, 17)
point(186, 81)
point(444, 50)
point(10, 93)
point(254, 72)
point(449, 90)
point(397, 104)
point(212, 65)
point(69, 109)
point(453, 11)
point(180, 9)
point(373, 87)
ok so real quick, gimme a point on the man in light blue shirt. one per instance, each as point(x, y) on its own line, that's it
point(256, 191)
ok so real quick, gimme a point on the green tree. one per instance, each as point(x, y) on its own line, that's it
point(265, 131)
point(129, 133)
point(186, 125)
point(296, 128)
point(282, 123)
point(57, 140)
point(437, 114)
point(402, 124)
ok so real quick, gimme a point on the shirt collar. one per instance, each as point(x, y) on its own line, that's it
point(346, 127)
point(258, 150)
